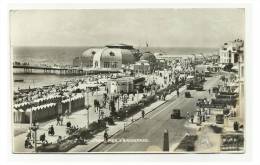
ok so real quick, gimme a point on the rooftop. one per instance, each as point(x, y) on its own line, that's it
point(122, 46)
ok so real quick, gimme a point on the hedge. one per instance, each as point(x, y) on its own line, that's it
point(135, 108)
point(187, 143)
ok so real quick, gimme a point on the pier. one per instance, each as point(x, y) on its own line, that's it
point(51, 69)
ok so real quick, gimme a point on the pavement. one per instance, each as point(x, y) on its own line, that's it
point(113, 129)
point(147, 133)
point(78, 118)
point(137, 134)
point(121, 126)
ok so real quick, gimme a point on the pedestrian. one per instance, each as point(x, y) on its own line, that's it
point(59, 139)
point(187, 115)
point(105, 136)
point(68, 124)
point(61, 119)
point(143, 113)
point(42, 137)
point(200, 118)
point(27, 143)
point(178, 93)
point(51, 131)
point(209, 91)
point(67, 113)
point(29, 135)
point(58, 120)
point(192, 118)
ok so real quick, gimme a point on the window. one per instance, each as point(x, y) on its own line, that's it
point(106, 65)
point(112, 54)
point(114, 64)
point(96, 63)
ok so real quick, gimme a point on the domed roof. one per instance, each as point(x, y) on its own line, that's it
point(121, 46)
point(123, 54)
point(128, 56)
point(148, 56)
point(89, 53)
point(114, 54)
point(110, 54)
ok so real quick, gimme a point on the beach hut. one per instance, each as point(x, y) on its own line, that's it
point(27, 115)
point(21, 115)
point(15, 115)
point(44, 114)
point(47, 112)
point(53, 112)
point(34, 114)
point(59, 108)
point(40, 114)
point(54, 108)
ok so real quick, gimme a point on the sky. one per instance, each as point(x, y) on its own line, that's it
point(158, 27)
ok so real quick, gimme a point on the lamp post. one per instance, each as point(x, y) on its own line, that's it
point(70, 94)
point(118, 94)
point(31, 105)
point(125, 120)
point(87, 106)
point(34, 127)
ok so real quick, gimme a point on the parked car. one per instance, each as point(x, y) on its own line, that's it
point(176, 114)
point(187, 94)
point(220, 119)
point(199, 87)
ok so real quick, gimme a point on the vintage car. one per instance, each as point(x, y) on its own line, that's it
point(199, 87)
point(176, 114)
point(220, 119)
point(187, 94)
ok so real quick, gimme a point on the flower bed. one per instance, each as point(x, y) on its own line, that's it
point(135, 108)
point(78, 137)
point(216, 129)
point(187, 143)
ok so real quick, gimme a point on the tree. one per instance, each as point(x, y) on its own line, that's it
point(105, 97)
point(223, 78)
point(236, 126)
point(112, 108)
point(96, 105)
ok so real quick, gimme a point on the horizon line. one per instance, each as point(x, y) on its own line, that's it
point(12, 46)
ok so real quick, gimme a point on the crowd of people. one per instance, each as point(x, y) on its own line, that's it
point(162, 79)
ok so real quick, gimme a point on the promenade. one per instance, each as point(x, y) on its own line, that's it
point(78, 119)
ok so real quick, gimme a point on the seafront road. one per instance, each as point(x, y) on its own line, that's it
point(151, 128)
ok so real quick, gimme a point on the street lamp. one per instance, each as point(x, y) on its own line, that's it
point(34, 127)
point(125, 123)
point(31, 105)
point(70, 94)
point(88, 106)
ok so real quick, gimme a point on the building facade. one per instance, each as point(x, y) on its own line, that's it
point(120, 86)
point(125, 85)
point(241, 83)
point(142, 67)
point(110, 57)
point(229, 52)
point(150, 59)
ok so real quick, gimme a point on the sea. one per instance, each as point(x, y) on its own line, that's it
point(65, 56)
